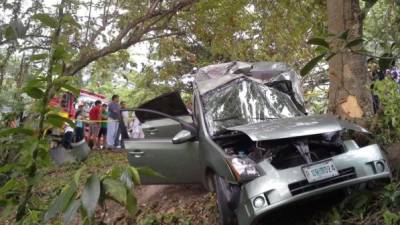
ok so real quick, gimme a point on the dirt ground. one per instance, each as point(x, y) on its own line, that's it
point(165, 205)
point(191, 204)
point(157, 204)
point(185, 202)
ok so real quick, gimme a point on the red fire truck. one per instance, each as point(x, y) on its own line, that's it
point(68, 103)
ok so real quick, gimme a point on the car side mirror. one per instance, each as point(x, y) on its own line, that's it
point(182, 137)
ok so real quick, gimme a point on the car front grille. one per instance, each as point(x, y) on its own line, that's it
point(304, 186)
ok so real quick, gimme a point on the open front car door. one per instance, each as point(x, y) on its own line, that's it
point(177, 161)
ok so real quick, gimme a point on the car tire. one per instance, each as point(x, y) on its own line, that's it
point(226, 214)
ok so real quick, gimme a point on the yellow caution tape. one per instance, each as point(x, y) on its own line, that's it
point(94, 121)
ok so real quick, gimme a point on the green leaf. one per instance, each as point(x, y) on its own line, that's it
point(354, 42)
point(115, 172)
point(61, 202)
point(12, 131)
point(30, 146)
point(39, 57)
point(320, 49)
point(7, 167)
point(9, 185)
point(318, 41)
point(63, 79)
point(46, 20)
point(131, 202)
point(148, 172)
point(36, 82)
point(57, 120)
point(75, 91)
point(90, 195)
point(390, 218)
point(68, 19)
point(135, 175)
point(311, 64)
point(78, 173)
point(10, 33)
point(34, 92)
point(385, 62)
point(71, 211)
point(115, 189)
point(343, 35)
point(59, 53)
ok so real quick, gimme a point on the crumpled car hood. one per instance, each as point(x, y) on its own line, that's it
point(294, 127)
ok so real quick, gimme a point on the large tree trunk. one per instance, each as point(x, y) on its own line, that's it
point(349, 92)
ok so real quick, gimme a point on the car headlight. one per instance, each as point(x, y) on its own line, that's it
point(259, 202)
point(244, 169)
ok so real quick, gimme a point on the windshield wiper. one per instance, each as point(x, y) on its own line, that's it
point(239, 117)
point(229, 118)
point(225, 133)
point(266, 118)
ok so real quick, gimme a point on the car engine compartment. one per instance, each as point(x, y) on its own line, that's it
point(287, 152)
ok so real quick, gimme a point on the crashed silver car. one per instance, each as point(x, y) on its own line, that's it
point(249, 139)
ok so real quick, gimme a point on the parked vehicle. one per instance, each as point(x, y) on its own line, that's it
point(250, 140)
point(68, 104)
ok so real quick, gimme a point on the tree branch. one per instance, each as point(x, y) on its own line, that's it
point(34, 47)
point(140, 28)
point(161, 36)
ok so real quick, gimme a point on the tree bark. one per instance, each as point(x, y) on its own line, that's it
point(349, 91)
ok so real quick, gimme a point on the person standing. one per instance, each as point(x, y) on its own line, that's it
point(124, 114)
point(94, 117)
point(103, 126)
point(113, 120)
point(136, 128)
point(79, 129)
point(125, 120)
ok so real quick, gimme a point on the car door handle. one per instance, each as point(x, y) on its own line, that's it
point(137, 153)
point(152, 130)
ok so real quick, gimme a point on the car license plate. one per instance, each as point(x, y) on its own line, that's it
point(320, 171)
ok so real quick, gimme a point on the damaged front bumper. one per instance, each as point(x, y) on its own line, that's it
point(281, 187)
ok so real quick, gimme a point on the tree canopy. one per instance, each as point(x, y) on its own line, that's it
point(53, 47)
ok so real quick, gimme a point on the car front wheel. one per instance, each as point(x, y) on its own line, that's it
point(226, 214)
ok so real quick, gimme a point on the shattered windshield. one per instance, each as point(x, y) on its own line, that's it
point(244, 101)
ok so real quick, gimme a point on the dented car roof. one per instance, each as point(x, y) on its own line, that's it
point(211, 77)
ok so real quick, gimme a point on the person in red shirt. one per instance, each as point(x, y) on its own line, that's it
point(95, 117)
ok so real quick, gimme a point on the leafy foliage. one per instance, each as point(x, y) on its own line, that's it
point(229, 30)
point(381, 39)
point(387, 125)
point(115, 185)
point(24, 149)
point(370, 206)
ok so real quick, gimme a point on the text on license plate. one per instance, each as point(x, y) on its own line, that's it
point(320, 171)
